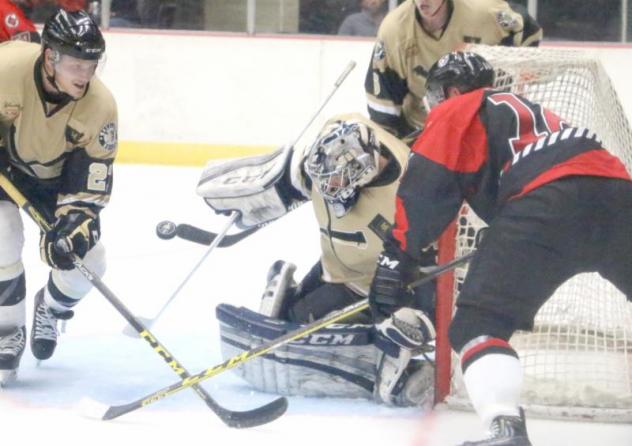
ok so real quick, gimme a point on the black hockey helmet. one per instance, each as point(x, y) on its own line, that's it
point(75, 34)
point(466, 71)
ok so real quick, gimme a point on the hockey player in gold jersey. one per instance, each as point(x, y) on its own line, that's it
point(350, 174)
point(416, 34)
point(57, 144)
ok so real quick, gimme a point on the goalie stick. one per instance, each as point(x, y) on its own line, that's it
point(149, 322)
point(335, 316)
point(167, 230)
point(255, 417)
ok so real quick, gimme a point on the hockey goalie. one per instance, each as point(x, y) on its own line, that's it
point(350, 174)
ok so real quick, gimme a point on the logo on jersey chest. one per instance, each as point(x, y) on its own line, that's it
point(10, 110)
point(12, 20)
point(420, 71)
point(73, 136)
point(107, 136)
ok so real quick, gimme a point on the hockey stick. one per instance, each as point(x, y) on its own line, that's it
point(336, 316)
point(255, 417)
point(167, 230)
point(350, 66)
point(149, 322)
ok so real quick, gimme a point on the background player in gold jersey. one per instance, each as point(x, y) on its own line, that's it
point(416, 34)
point(350, 174)
point(57, 141)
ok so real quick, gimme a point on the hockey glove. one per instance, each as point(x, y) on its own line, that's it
point(73, 233)
point(388, 290)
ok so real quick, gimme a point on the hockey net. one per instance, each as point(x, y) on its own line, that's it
point(578, 359)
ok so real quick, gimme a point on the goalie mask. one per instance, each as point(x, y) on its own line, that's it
point(343, 159)
point(465, 71)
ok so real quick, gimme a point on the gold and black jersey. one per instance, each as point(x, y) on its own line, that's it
point(71, 145)
point(351, 244)
point(404, 52)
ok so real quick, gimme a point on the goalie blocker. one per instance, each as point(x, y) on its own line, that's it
point(342, 360)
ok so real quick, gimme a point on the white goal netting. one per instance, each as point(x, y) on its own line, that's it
point(578, 359)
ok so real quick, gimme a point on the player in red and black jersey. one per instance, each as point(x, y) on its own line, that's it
point(557, 202)
point(15, 23)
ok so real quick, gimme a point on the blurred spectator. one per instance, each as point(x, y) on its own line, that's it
point(156, 13)
point(572, 20)
point(367, 21)
point(324, 16)
point(124, 13)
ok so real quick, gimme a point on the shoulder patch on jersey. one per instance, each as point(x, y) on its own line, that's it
point(379, 52)
point(12, 20)
point(507, 21)
point(108, 137)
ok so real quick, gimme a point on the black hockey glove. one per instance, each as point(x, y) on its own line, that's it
point(73, 233)
point(388, 290)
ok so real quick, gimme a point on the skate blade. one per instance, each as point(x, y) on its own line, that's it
point(7, 377)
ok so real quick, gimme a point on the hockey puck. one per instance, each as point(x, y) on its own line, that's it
point(166, 230)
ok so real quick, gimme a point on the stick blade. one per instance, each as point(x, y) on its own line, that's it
point(90, 408)
point(235, 419)
point(255, 417)
point(116, 411)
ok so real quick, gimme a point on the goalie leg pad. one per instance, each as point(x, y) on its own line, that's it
point(280, 287)
point(337, 361)
point(403, 380)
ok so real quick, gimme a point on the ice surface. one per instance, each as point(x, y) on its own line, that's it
point(95, 361)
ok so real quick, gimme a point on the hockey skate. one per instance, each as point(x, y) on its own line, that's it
point(280, 282)
point(11, 348)
point(44, 333)
point(505, 431)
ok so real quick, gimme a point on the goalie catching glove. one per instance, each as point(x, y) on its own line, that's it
point(259, 188)
point(74, 232)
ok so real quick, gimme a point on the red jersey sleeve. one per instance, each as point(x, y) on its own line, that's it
point(452, 146)
point(13, 22)
point(454, 135)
